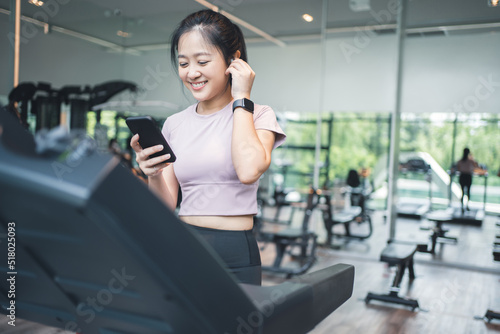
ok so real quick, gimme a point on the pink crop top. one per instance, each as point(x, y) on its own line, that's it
point(204, 169)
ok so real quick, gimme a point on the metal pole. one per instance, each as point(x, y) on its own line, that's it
point(324, 18)
point(396, 123)
point(15, 28)
point(453, 143)
point(485, 191)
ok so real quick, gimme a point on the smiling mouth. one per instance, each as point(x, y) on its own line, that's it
point(198, 85)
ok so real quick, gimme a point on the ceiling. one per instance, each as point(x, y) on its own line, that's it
point(150, 22)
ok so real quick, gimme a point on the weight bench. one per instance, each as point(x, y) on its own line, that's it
point(288, 239)
point(400, 256)
point(97, 252)
point(438, 234)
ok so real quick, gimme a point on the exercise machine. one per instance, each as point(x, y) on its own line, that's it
point(45, 103)
point(356, 214)
point(299, 243)
point(22, 95)
point(438, 233)
point(415, 207)
point(281, 196)
point(97, 252)
point(472, 215)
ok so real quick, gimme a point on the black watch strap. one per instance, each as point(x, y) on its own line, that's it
point(243, 103)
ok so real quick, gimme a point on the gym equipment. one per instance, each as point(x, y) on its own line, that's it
point(401, 256)
point(438, 234)
point(281, 193)
point(473, 215)
point(356, 214)
point(289, 240)
point(490, 314)
point(415, 208)
point(97, 252)
point(46, 105)
point(77, 99)
point(44, 101)
point(103, 92)
point(22, 94)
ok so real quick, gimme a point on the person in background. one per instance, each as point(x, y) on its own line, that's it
point(466, 166)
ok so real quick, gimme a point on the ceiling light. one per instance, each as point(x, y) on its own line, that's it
point(493, 3)
point(38, 3)
point(307, 18)
point(123, 33)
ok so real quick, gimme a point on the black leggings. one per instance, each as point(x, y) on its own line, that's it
point(238, 250)
point(465, 181)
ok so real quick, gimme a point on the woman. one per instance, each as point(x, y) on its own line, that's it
point(223, 143)
point(466, 167)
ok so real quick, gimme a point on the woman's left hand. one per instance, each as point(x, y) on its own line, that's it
point(242, 78)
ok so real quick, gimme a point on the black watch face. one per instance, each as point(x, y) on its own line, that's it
point(248, 105)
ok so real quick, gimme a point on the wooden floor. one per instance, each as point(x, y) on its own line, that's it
point(452, 287)
point(455, 285)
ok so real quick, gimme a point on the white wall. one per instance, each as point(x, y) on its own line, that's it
point(439, 72)
point(361, 74)
point(444, 73)
point(57, 59)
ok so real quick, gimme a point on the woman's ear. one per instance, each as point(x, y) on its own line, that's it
point(236, 55)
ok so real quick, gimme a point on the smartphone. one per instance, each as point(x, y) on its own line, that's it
point(149, 135)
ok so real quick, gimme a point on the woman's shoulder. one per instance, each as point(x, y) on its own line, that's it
point(260, 109)
point(174, 120)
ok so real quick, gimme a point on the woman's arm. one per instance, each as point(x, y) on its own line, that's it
point(161, 176)
point(250, 149)
point(165, 186)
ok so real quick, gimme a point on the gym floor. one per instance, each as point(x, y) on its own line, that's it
point(459, 282)
point(453, 286)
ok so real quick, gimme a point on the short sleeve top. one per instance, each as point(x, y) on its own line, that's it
point(204, 168)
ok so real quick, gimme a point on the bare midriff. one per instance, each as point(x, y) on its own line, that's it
point(231, 223)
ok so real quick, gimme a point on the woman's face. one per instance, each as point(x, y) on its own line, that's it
point(202, 68)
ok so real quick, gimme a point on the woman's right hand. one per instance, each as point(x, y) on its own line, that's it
point(150, 167)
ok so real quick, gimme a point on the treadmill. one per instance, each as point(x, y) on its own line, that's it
point(410, 207)
point(477, 211)
point(96, 252)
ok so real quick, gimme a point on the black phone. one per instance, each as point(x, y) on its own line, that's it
point(149, 135)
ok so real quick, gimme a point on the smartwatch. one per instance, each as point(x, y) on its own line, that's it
point(243, 103)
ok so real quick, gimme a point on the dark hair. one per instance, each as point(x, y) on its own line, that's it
point(353, 179)
point(466, 154)
point(216, 29)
